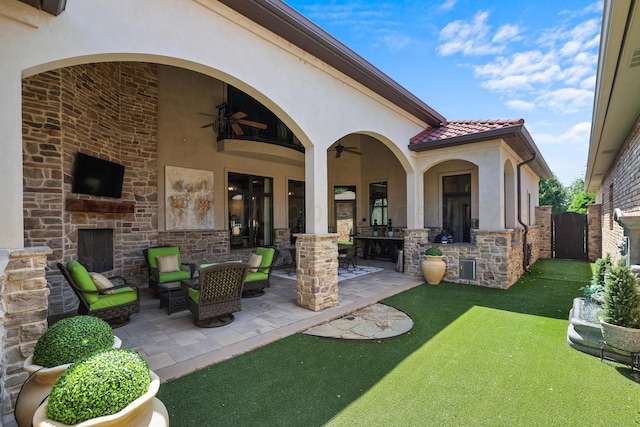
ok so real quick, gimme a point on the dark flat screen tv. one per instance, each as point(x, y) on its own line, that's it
point(97, 177)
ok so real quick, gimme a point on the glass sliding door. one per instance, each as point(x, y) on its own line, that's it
point(456, 209)
point(250, 201)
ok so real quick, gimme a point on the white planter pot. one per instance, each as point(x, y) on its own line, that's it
point(146, 410)
point(38, 386)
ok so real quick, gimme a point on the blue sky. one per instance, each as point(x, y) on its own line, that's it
point(484, 60)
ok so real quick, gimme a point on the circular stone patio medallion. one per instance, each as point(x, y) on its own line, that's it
point(376, 322)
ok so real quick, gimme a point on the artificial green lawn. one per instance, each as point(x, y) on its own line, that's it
point(475, 357)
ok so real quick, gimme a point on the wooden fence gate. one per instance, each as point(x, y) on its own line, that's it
point(569, 236)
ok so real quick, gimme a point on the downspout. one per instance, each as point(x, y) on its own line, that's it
point(525, 265)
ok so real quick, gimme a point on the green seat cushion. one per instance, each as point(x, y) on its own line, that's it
point(119, 297)
point(153, 253)
point(174, 276)
point(82, 278)
point(194, 294)
point(344, 242)
point(258, 275)
point(267, 258)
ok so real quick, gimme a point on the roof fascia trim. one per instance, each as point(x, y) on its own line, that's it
point(273, 14)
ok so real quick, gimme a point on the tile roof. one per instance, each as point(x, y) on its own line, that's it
point(457, 128)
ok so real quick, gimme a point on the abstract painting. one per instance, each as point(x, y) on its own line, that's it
point(188, 198)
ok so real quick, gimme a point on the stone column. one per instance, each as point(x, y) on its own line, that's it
point(543, 219)
point(317, 271)
point(594, 232)
point(25, 300)
point(414, 241)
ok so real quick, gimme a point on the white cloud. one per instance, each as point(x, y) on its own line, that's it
point(469, 38)
point(506, 33)
point(578, 134)
point(447, 5)
point(567, 100)
point(394, 41)
point(520, 105)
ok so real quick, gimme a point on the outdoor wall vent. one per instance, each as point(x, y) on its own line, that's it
point(634, 61)
point(467, 269)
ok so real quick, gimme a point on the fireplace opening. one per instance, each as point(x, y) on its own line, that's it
point(95, 249)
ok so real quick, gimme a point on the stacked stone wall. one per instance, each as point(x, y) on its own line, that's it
point(543, 220)
point(106, 110)
point(624, 180)
point(24, 300)
point(317, 271)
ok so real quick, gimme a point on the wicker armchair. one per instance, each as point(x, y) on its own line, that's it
point(256, 281)
point(181, 271)
point(217, 295)
point(114, 305)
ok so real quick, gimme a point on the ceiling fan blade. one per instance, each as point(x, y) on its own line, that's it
point(209, 125)
point(207, 114)
point(239, 115)
point(252, 123)
point(338, 153)
point(352, 151)
point(237, 129)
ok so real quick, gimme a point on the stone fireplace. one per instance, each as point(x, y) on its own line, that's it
point(95, 249)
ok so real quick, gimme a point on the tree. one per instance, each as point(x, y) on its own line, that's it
point(579, 198)
point(552, 193)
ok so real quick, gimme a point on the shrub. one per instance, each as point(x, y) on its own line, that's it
point(103, 383)
point(601, 270)
point(433, 252)
point(622, 298)
point(71, 339)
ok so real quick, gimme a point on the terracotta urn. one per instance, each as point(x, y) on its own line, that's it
point(433, 269)
point(147, 410)
point(38, 387)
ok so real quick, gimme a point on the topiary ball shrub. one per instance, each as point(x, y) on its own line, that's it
point(71, 339)
point(433, 252)
point(103, 383)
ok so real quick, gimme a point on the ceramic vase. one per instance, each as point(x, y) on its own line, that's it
point(147, 410)
point(433, 269)
point(38, 387)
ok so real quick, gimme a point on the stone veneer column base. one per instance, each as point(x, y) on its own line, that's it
point(317, 271)
point(24, 292)
point(414, 242)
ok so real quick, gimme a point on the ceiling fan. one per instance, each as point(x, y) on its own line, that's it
point(234, 120)
point(339, 149)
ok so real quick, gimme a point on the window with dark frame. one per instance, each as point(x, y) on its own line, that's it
point(378, 204)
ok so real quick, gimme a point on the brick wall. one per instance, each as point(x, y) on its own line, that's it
point(620, 189)
point(543, 219)
point(594, 241)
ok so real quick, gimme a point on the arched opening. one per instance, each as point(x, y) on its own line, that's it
point(451, 201)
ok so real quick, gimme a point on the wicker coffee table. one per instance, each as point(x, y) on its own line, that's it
point(172, 296)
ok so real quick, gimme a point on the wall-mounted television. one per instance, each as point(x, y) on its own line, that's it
point(97, 177)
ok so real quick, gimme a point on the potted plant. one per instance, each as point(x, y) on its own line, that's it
point(375, 228)
point(57, 348)
point(110, 388)
point(620, 317)
point(390, 229)
point(433, 266)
